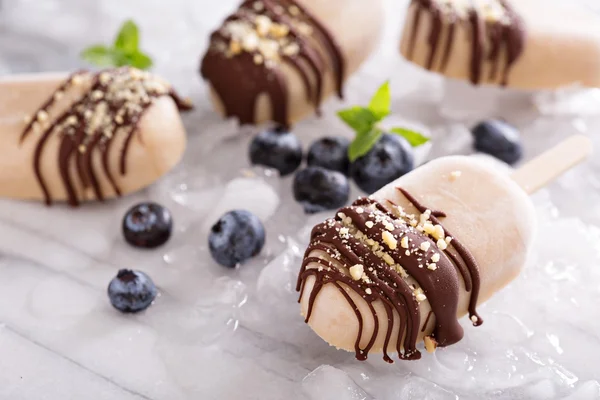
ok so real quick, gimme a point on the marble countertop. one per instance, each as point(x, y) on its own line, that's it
point(220, 334)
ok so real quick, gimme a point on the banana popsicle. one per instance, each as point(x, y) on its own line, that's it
point(403, 265)
point(87, 135)
point(524, 44)
point(277, 60)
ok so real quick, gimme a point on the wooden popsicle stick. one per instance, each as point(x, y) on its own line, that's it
point(543, 169)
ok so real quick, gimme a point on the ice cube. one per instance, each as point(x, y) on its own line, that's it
point(327, 382)
point(247, 193)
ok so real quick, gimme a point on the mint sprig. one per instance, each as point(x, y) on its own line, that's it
point(124, 51)
point(365, 121)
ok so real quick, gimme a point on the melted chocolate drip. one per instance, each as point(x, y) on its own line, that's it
point(385, 281)
point(239, 79)
point(506, 37)
point(78, 143)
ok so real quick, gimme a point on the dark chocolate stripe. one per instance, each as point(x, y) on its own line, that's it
point(505, 37)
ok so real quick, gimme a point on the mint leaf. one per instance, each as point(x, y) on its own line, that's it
point(139, 60)
point(360, 119)
point(362, 143)
point(124, 51)
point(100, 55)
point(128, 38)
point(381, 102)
point(414, 138)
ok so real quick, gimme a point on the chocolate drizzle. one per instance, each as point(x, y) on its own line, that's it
point(112, 106)
point(505, 32)
point(356, 238)
point(246, 54)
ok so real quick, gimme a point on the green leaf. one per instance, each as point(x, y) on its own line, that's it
point(362, 143)
point(128, 38)
point(101, 56)
point(360, 119)
point(414, 138)
point(381, 102)
point(139, 60)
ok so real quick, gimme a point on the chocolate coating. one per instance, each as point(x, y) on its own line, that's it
point(357, 236)
point(241, 75)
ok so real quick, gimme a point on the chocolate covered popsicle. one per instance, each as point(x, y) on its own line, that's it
point(525, 44)
point(87, 135)
point(277, 60)
point(402, 266)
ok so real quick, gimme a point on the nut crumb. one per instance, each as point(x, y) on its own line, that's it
point(442, 245)
point(436, 257)
point(425, 246)
point(368, 291)
point(404, 242)
point(390, 240)
point(258, 59)
point(454, 175)
point(430, 344)
point(356, 271)
point(432, 266)
point(369, 224)
point(474, 319)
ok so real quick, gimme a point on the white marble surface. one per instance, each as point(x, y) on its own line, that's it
point(218, 334)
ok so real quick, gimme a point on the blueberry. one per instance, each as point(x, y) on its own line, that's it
point(319, 189)
point(236, 237)
point(330, 153)
point(147, 225)
point(499, 139)
point(277, 148)
point(131, 291)
point(390, 158)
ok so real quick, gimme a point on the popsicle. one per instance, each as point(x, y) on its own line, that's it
point(277, 60)
point(403, 265)
point(525, 44)
point(87, 135)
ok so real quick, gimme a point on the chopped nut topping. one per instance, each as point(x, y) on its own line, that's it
point(425, 246)
point(42, 116)
point(388, 259)
point(250, 42)
point(404, 242)
point(435, 258)
point(258, 6)
point(442, 245)
point(357, 271)
point(77, 80)
point(263, 25)
point(369, 224)
point(430, 344)
point(258, 59)
point(454, 175)
point(474, 318)
point(368, 291)
point(389, 226)
point(428, 228)
point(432, 266)
point(390, 240)
point(438, 232)
point(235, 47)
point(294, 10)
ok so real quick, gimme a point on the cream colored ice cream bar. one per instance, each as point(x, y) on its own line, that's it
point(403, 265)
point(525, 44)
point(277, 60)
point(87, 135)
